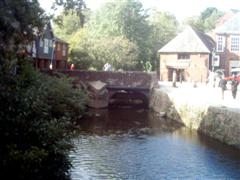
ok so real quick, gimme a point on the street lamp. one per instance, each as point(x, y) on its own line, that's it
point(53, 48)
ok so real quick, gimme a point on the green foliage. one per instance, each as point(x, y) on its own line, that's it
point(147, 66)
point(206, 21)
point(163, 28)
point(69, 25)
point(120, 33)
point(71, 31)
point(123, 19)
point(20, 21)
point(118, 51)
point(73, 6)
point(81, 59)
point(36, 123)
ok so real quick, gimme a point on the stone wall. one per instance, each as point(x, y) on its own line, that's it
point(220, 123)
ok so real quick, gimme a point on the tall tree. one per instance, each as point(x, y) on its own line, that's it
point(73, 6)
point(163, 28)
point(207, 20)
point(20, 22)
point(123, 18)
point(71, 31)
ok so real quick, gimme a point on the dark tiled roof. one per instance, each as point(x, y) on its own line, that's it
point(206, 39)
point(231, 26)
point(190, 40)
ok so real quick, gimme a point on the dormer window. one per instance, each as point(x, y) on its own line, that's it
point(183, 56)
point(235, 43)
point(220, 43)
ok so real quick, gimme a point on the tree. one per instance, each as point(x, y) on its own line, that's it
point(71, 31)
point(69, 25)
point(118, 51)
point(123, 19)
point(39, 111)
point(163, 28)
point(206, 21)
point(20, 22)
point(73, 6)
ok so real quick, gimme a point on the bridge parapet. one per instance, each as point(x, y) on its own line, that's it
point(128, 79)
point(128, 85)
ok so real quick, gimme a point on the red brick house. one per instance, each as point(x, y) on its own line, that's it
point(227, 38)
point(189, 54)
point(61, 53)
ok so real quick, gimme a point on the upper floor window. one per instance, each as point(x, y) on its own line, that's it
point(182, 56)
point(220, 43)
point(64, 50)
point(41, 42)
point(235, 43)
point(58, 47)
point(45, 50)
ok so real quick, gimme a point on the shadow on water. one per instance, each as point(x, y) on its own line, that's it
point(132, 143)
point(124, 118)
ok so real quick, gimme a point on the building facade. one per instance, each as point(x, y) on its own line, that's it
point(227, 37)
point(189, 55)
point(49, 52)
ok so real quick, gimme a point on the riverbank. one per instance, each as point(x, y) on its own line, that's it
point(200, 108)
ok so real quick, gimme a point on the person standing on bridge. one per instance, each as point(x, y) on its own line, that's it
point(72, 67)
point(234, 85)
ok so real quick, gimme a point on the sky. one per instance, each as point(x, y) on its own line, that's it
point(180, 8)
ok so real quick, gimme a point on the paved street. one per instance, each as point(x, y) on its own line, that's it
point(202, 94)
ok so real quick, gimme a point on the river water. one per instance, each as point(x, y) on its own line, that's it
point(138, 144)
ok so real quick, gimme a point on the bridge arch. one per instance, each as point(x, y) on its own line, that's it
point(129, 98)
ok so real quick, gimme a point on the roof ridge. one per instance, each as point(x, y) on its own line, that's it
point(189, 40)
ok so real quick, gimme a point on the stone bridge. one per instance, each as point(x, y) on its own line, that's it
point(120, 85)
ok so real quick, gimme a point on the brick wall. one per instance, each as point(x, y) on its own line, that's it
point(194, 69)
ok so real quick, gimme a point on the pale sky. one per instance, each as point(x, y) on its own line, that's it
point(180, 8)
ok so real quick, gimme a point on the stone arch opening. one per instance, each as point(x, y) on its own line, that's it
point(128, 98)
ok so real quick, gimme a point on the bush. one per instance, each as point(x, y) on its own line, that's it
point(37, 118)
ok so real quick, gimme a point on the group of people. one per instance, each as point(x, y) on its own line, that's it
point(234, 85)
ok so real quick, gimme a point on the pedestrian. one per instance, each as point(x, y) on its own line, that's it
point(234, 85)
point(223, 86)
point(174, 78)
point(72, 67)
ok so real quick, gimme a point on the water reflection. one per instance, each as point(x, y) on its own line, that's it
point(120, 120)
point(136, 144)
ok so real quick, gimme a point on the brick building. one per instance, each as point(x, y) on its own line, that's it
point(189, 54)
point(227, 38)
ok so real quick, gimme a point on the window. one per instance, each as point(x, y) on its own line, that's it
point(50, 43)
point(34, 49)
point(235, 43)
point(59, 47)
point(183, 56)
point(40, 42)
point(64, 50)
point(216, 61)
point(220, 43)
point(45, 50)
